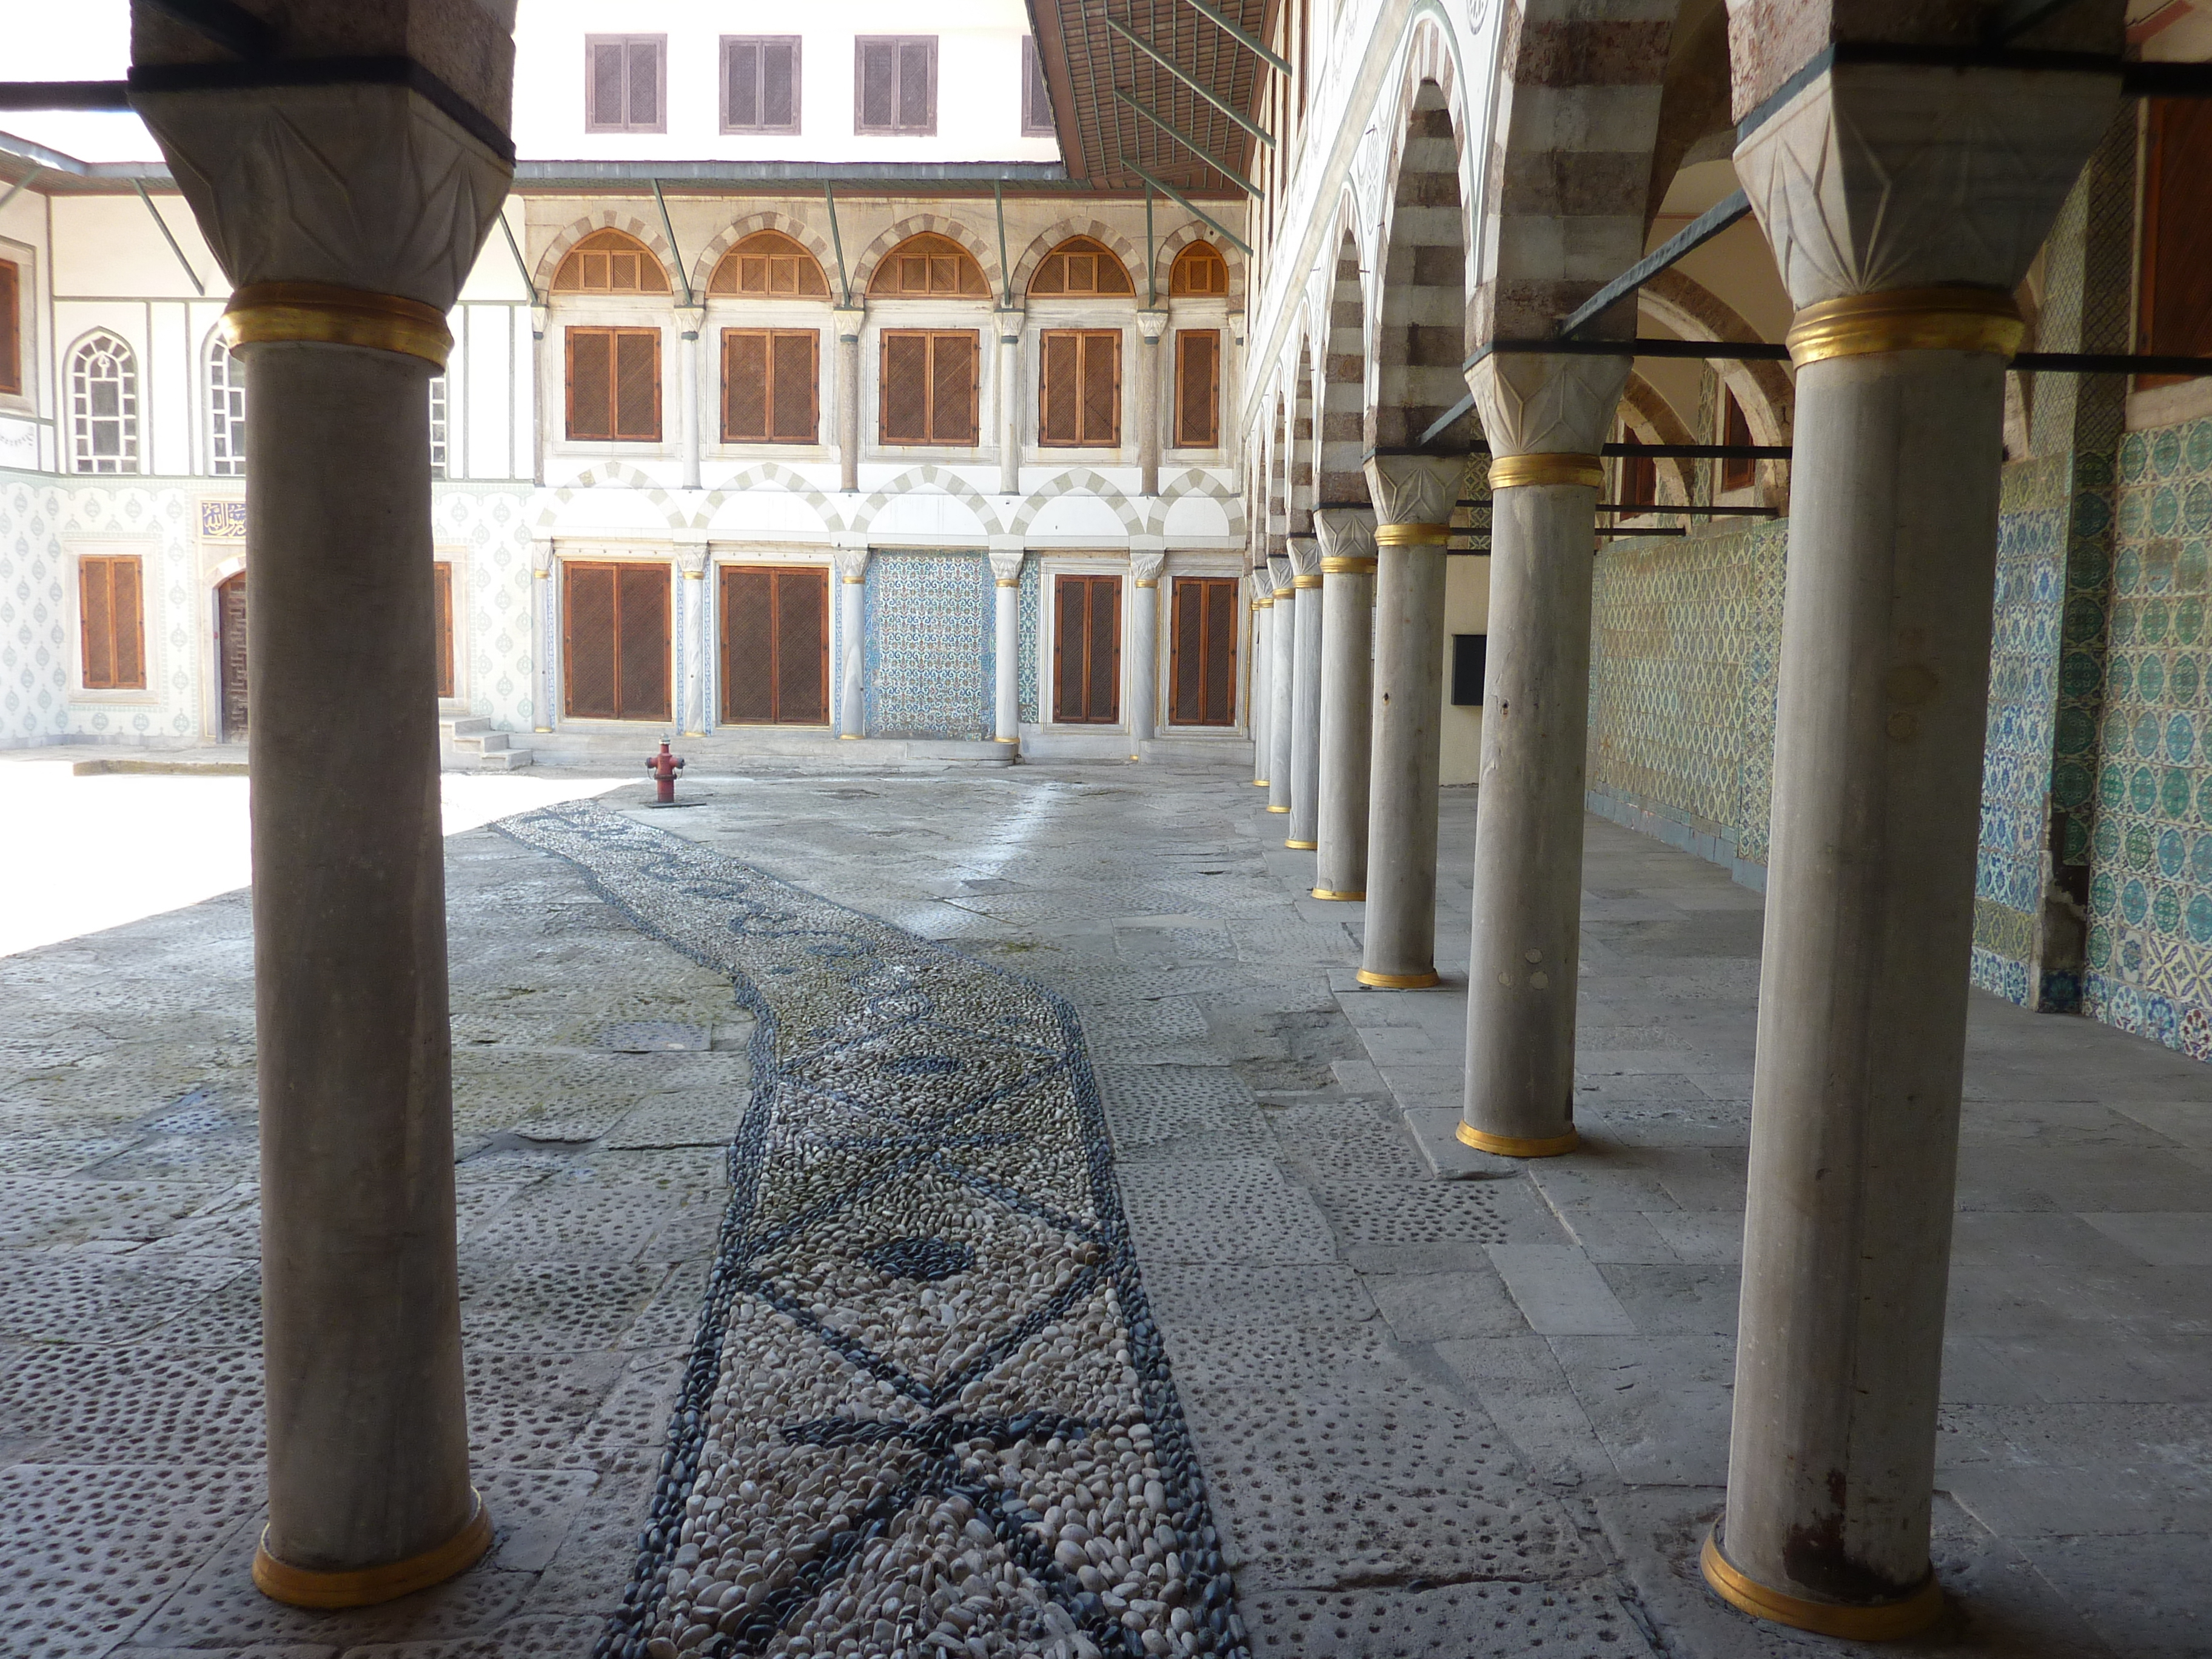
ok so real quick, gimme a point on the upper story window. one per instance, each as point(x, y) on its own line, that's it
point(438, 449)
point(614, 384)
point(11, 328)
point(928, 387)
point(1079, 387)
point(609, 262)
point(103, 405)
point(1037, 97)
point(1199, 272)
point(925, 266)
point(626, 84)
point(770, 264)
point(895, 84)
point(226, 384)
point(760, 83)
point(1198, 388)
point(1080, 267)
point(2175, 308)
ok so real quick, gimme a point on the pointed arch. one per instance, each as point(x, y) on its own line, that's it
point(1420, 337)
point(768, 264)
point(1645, 412)
point(610, 261)
point(765, 475)
point(1170, 247)
point(871, 258)
point(711, 255)
point(1195, 481)
point(613, 475)
point(1032, 257)
point(1340, 481)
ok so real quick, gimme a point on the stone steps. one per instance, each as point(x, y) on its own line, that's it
point(469, 744)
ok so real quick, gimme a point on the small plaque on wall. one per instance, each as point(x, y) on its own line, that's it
point(1469, 652)
point(222, 520)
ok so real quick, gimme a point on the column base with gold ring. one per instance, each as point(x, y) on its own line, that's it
point(364, 1587)
point(1517, 1145)
point(1261, 783)
point(1303, 846)
point(1889, 1621)
point(1331, 893)
point(1285, 810)
point(1420, 982)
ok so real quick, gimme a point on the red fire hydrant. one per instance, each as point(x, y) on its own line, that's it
point(664, 767)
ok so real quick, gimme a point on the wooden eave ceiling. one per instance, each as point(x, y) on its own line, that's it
point(1085, 63)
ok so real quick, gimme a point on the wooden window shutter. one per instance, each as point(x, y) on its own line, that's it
point(748, 647)
point(1059, 387)
point(875, 102)
point(1068, 635)
point(802, 647)
point(779, 94)
point(904, 388)
point(1198, 388)
point(775, 646)
point(1103, 676)
point(442, 587)
point(591, 383)
point(96, 611)
point(1186, 653)
point(644, 101)
point(1203, 671)
point(741, 78)
point(1102, 388)
point(1220, 634)
point(641, 605)
point(637, 384)
point(796, 385)
point(917, 86)
point(1735, 429)
point(11, 327)
point(952, 389)
point(744, 386)
point(129, 623)
point(587, 640)
point(2176, 303)
point(1087, 650)
point(608, 80)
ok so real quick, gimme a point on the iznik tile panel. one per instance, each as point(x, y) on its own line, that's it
point(927, 644)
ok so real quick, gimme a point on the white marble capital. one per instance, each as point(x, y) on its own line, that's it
point(1263, 581)
point(1278, 566)
point(1534, 405)
point(851, 562)
point(1146, 566)
point(1151, 324)
point(1415, 488)
point(1345, 532)
point(1305, 555)
point(1006, 563)
point(847, 320)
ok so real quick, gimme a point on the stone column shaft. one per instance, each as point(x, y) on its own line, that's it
point(1305, 694)
point(1142, 664)
point(1347, 686)
point(846, 321)
point(1150, 324)
point(690, 321)
point(852, 564)
point(1006, 647)
point(1261, 696)
point(545, 635)
point(1009, 402)
point(1282, 668)
point(695, 625)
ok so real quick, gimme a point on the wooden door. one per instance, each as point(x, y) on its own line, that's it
point(1202, 652)
point(776, 646)
point(230, 655)
point(614, 641)
point(1086, 651)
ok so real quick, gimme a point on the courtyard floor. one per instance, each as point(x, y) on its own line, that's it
point(1132, 1187)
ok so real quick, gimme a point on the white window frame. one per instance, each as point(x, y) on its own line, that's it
point(225, 410)
point(103, 342)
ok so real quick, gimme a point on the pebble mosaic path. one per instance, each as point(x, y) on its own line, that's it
point(927, 1411)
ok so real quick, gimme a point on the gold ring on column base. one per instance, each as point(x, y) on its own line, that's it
point(1888, 1622)
point(320, 313)
point(1305, 582)
point(364, 1587)
point(1907, 319)
point(1006, 741)
point(1412, 535)
point(1537, 471)
point(1345, 565)
point(1517, 1145)
point(1303, 846)
point(1008, 582)
point(1261, 783)
point(859, 581)
point(1331, 893)
point(848, 736)
point(1398, 982)
point(1278, 809)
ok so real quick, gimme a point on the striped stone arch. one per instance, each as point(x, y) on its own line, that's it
point(1645, 412)
point(1131, 259)
point(1300, 453)
point(629, 224)
point(1689, 308)
point(797, 229)
point(1340, 480)
point(864, 267)
point(1083, 481)
point(613, 475)
point(1181, 238)
point(767, 475)
point(946, 481)
point(1195, 483)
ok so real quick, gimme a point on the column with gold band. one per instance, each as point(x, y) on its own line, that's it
point(851, 564)
point(1282, 682)
point(1305, 690)
point(341, 283)
point(1141, 662)
point(1261, 582)
point(1413, 495)
point(1347, 686)
point(1006, 646)
point(1904, 322)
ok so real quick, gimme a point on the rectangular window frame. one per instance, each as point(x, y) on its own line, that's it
point(1182, 426)
point(658, 43)
point(1094, 581)
point(2158, 330)
point(1036, 93)
point(762, 128)
point(1088, 339)
point(813, 422)
point(11, 329)
point(1205, 590)
point(820, 576)
point(614, 331)
point(106, 566)
point(935, 440)
point(903, 123)
point(570, 568)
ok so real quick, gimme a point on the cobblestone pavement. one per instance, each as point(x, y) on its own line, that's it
point(1481, 1416)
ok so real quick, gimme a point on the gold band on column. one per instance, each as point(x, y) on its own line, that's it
point(1261, 783)
point(364, 1587)
point(1331, 893)
point(1888, 1622)
point(270, 312)
point(1278, 809)
point(1303, 846)
point(1141, 583)
point(1339, 564)
point(1907, 319)
point(1262, 604)
point(1398, 982)
point(856, 581)
point(1412, 535)
point(1004, 582)
point(1515, 1145)
point(1305, 582)
point(1537, 471)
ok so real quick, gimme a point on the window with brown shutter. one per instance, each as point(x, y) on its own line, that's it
point(1202, 652)
point(1735, 429)
point(760, 83)
point(770, 263)
point(614, 641)
point(925, 266)
point(776, 646)
point(11, 328)
point(1086, 650)
point(1080, 268)
point(625, 82)
point(614, 384)
point(442, 586)
point(1079, 387)
point(2175, 307)
point(1037, 97)
point(1199, 271)
point(927, 387)
point(609, 262)
point(1639, 475)
point(112, 622)
point(770, 386)
point(895, 84)
point(1198, 388)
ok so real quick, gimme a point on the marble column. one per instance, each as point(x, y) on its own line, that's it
point(845, 322)
point(690, 320)
point(1006, 646)
point(694, 633)
point(1305, 692)
point(1151, 325)
point(1413, 496)
point(1141, 663)
point(345, 215)
point(1010, 404)
point(545, 635)
point(1347, 687)
point(851, 564)
point(1545, 418)
point(1261, 698)
point(1903, 206)
point(1282, 685)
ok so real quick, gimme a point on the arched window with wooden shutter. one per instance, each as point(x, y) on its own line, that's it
point(610, 262)
point(1198, 388)
point(929, 266)
point(771, 385)
point(1079, 387)
point(1199, 272)
point(1081, 267)
point(768, 264)
point(927, 386)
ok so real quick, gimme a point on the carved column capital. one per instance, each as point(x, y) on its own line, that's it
point(691, 557)
point(1547, 405)
point(851, 562)
point(690, 320)
point(1263, 582)
point(1876, 177)
point(1010, 319)
point(1345, 532)
point(1144, 567)
point(1305, 558)
point(541, 555)
point(1278, 566)
point(847, 320)
point(1415, 488)
point(1151, 324)
point(1006, 563)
